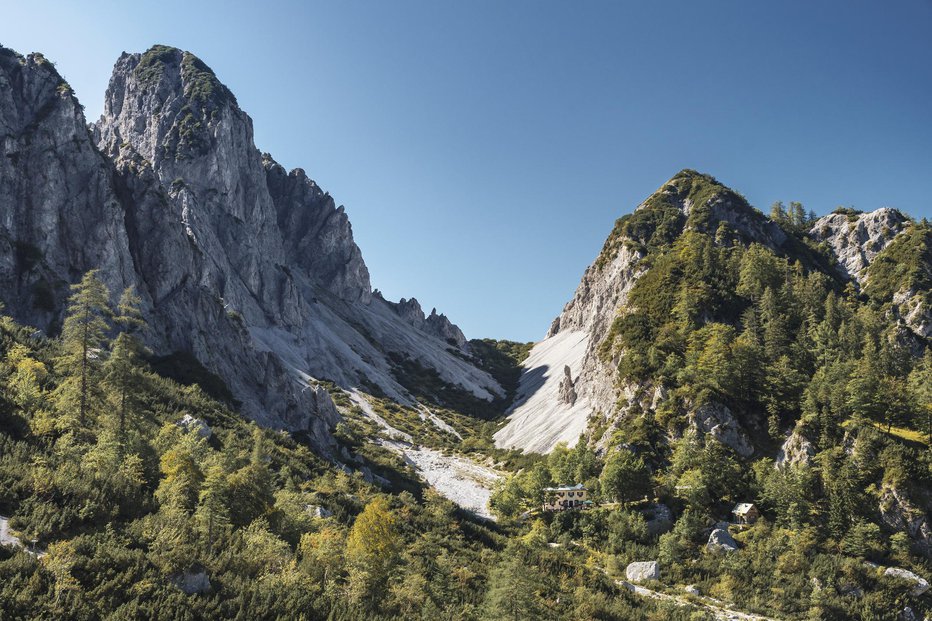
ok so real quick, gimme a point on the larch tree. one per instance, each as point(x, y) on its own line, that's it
point(84, 337)
point(373, 542)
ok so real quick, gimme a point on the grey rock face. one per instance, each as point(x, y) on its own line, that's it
point(914, 312)
point(59, 213)
point(720, 540)
point(856, 240)
point(192, 582)
point(717, 420)
point(250, 269)
point(317, 234)
point(899, 513)
point(796, 449)
point(435, 324)
point(642, 571)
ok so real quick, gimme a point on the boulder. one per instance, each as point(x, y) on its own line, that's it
point(190, 423)
point(721, 541)
point(641, 571)
point(920, 584)
point(318, 511)
point(692, 589)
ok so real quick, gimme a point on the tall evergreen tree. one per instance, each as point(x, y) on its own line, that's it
point(121, 368)
point(84, 338)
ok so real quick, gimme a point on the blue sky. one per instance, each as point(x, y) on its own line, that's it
point(483, 149)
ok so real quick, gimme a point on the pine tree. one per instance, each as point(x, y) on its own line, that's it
point(83, 346)
point(920, 384)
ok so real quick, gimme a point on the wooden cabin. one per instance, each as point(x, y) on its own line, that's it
point(745, 513)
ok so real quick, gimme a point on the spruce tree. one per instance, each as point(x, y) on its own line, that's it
point(121, 369)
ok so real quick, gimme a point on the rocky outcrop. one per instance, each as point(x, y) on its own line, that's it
point(719, 423)
point(899, 513)
point(861, 241)
point(918, 584)
point(317, 511)
point(720, 540)
point(915, 311)
point(567, 391)
point(248, 268)
point(435, 324)
point(60, 214)
point(795, 450)
point(856, 238)
point(190, 423)
point(317, 233)
point(193, 581)
point(642, 571)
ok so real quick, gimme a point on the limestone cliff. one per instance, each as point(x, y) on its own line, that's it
point(251, 269)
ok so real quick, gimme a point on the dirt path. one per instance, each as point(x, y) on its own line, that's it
point(715, 607)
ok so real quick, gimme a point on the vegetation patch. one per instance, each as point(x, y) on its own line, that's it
point(905, 264)
point(152, 63)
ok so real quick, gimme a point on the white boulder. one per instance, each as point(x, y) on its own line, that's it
point(642, 571)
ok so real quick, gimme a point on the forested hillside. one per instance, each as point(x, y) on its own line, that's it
point(751, 367)
point(135, 497)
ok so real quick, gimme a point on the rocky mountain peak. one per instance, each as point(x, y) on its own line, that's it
point(693, 201)
point(246, 268)
point(167, 104)
point(50, 235)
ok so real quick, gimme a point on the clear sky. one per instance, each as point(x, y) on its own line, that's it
point(483, 149)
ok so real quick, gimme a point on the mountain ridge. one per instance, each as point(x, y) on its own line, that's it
point(249, 268)
point(689, 203)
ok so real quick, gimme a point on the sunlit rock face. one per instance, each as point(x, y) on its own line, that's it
point(857, 238)
point(247, 267)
